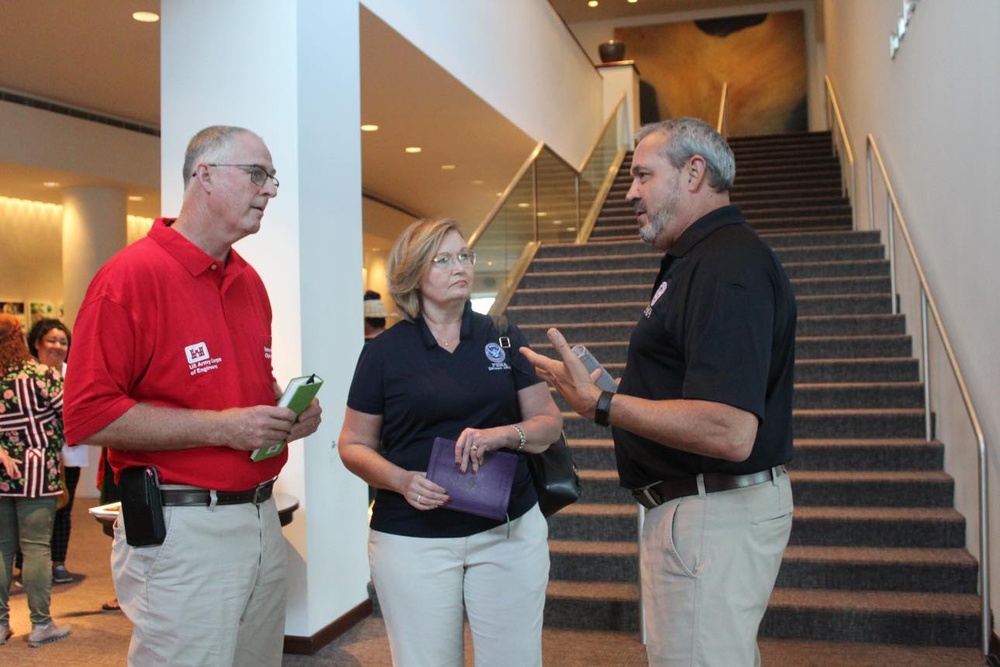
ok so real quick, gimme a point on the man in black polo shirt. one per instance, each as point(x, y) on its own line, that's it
point(702, 420)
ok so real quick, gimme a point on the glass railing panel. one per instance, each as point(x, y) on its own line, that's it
point(500, 245)
point(595, 171)
point(557, 207)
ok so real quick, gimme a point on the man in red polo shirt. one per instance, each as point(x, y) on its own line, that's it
point(172, 369)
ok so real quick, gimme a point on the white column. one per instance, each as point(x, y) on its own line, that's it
point(289, 71)
point(94, 228)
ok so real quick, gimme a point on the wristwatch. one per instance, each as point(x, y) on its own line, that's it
point(601, 415)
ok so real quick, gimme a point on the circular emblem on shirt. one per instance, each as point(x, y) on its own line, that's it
point(495, 353)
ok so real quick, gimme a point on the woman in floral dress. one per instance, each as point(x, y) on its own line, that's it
point(31, 438)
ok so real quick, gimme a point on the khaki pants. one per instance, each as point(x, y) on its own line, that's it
point(213, 594)
point(708, 565)
point(425, 584)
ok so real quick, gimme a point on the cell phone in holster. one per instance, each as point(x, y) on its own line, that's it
point(142, 507)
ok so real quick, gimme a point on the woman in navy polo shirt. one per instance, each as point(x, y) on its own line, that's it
point(437, 374)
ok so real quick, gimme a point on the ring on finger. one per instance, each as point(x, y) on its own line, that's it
point(475, 448)
point(419, 496)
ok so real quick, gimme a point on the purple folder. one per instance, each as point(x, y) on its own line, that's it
point(484, 493)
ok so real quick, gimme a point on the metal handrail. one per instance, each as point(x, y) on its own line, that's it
point(722, 125)
point(927, 302)
point(843, 147)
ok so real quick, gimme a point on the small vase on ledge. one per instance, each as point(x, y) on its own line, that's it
point(611, 51)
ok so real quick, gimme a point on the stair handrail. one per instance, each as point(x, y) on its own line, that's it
point(722, 124)
point(927, 302)
point(841, 144)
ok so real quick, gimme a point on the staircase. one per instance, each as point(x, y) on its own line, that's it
point(876, 554)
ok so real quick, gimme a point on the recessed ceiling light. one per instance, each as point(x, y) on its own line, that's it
point(448, 167)
point(557, 222)
point(571, 229)
point(477, 182)
point(146, 17)
point(632, 2)
point(369, 128)
point(523, 204)
point(542, 214)
point(593, 3)
point(413, 149)
point(50, 184)
point(135, 198)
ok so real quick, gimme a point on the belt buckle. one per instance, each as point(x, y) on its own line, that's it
point(646, 492)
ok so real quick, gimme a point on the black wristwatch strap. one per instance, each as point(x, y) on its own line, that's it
point(601, 415)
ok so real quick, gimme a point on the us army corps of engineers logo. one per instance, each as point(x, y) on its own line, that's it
point(497, 357)
point(199, 360)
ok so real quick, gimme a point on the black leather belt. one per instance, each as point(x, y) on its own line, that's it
point(658, 493)
point(193, 496)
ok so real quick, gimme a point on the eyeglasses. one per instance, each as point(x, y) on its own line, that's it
point(446, 260)
point(258, 175)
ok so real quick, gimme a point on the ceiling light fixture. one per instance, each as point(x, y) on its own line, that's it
point(448, 167)
point(50, 184)
point(135, 198)
point(593, 3)
point(146, 17)
point(413, 149)
point(369, 128)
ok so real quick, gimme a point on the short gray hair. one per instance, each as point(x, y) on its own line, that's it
point(691, 136)
point(209, 141)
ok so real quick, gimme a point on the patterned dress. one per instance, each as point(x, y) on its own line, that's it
point(31, 429)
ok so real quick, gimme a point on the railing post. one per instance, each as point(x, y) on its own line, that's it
point(871, 188)
point(925, 352)
point(891, 229)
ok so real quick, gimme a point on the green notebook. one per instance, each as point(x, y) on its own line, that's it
point(297, 396)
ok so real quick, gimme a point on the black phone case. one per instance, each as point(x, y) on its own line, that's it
point(142, 507)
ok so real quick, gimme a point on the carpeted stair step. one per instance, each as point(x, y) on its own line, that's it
point(818, 223)
point(867, 454)
point(818, 371)
point(594, 277)
point(805, 270)
point(910, 570)
point(574, 560)
point(844, 304)
point(925, 619)
point(596, 453)
point(895, 527)
point(917, 488)
point(602, 522)
point(856, 395)
point(606, 605)
point(852, 347)
point(850, 325)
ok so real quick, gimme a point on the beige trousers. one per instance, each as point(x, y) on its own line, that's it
point(213, 594)
point(708, 565)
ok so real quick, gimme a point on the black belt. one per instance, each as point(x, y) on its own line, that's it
point(255, 495)
point(658, 493)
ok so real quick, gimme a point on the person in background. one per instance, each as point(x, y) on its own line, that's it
point(702, 419)
point(374, 315)
point(441, 373)
point(172, 370)
point(49, 341)
point(31, 437)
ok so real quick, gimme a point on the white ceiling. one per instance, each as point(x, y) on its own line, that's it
point(90, 54)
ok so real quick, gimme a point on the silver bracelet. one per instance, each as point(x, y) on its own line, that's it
point(520, 435)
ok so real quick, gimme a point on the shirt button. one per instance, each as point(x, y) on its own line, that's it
point(214, 267)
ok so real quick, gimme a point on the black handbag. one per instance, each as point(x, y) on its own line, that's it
point(557, 481)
